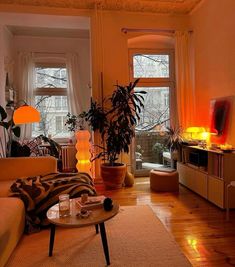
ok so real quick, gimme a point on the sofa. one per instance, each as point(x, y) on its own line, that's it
point(12, 219)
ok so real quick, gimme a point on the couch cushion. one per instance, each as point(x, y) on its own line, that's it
point(5, 187)
point(22, 167)
point(12, 222)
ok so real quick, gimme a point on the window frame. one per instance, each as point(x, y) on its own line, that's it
point(157, 82)
point(161, 80)
point(46, 90)
point(154, 82)
point(56, 91)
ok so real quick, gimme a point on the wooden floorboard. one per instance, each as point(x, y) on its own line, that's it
point(199, 227)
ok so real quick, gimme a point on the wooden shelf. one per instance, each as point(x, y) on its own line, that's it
point(210, 175)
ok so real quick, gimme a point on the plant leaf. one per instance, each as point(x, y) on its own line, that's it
point(16, 131)
point(3, 113)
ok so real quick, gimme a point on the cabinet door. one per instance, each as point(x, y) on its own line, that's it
point(199, 182)
point(184, 175)
point(194, 179)
point(216, 191)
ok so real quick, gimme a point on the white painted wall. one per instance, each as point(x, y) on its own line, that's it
point(6, 65)
point(48, 21)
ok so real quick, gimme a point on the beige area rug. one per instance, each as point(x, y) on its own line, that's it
point(136, 237)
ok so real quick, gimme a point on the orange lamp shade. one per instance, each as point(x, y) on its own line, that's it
point(83, 154)
point(26, 114)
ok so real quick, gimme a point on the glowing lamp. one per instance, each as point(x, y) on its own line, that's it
point(83, 154)
point(26, 114)
point(196, 132)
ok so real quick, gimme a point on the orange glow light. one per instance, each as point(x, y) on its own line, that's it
point(198, 133)
point(26, 114)
point(83, 154)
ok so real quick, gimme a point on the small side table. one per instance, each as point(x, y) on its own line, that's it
point(96, 218)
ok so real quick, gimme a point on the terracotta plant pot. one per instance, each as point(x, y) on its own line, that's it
point(113, 176)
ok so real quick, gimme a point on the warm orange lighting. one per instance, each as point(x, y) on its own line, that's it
point(197, 133)
point(26, 114)
point(195, 129)
point(83, 151)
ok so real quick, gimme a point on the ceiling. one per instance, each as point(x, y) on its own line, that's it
point(181, 7)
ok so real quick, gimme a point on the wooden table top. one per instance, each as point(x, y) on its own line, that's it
point(98, 215)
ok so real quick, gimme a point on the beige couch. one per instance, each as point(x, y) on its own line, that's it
point(12, 219)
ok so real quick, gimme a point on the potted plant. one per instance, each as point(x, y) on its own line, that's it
point(115, 120)
point(173, 141)
point(74, 122)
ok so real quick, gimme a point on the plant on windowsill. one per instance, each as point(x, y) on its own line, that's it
point(74, 122)
point(115, 120)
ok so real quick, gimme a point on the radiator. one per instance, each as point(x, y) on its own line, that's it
point(68, 158)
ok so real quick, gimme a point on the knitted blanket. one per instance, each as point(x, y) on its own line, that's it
point(41, 192)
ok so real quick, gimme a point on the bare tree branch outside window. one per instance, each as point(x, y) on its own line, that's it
point(53, 106)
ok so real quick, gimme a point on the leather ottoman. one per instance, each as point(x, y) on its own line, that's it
point(164, 181)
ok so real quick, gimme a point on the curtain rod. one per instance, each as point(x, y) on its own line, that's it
point(126, 30)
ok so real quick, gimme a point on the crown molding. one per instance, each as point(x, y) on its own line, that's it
point(179, 7)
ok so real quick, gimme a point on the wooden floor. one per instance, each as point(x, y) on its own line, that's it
point(198, 226)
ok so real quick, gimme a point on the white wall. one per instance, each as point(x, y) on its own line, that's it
point(6, 65)
point(6, 60)
point(82, 46)
point(214, 40)
point(47, 21)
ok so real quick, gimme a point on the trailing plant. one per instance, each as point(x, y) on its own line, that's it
point(115, 119)
point(10, 133)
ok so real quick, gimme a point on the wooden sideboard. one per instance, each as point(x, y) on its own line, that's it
point(207, 172)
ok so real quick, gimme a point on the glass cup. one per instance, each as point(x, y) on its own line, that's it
point(84, 198)
point(64, 205)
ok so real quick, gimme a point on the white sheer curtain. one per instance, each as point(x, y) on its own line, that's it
point(184, 79)
point(76, 94)
point(26, 84)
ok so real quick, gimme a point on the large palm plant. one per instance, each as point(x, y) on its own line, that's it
point(115, 120)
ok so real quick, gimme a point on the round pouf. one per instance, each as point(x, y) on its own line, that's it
point(164, 181)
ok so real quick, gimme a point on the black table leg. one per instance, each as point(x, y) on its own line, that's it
point(52, 238)
point(104, 242)
point(97, 228)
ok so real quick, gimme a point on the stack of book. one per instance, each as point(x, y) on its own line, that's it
point(91, 203)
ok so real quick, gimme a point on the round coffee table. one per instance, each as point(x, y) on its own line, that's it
point(97, 217)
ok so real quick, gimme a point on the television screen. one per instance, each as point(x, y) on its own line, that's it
point(198, 158)
point(194, 158)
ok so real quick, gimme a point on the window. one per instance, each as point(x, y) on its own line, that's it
point(156, 73)
point(155, 70)
point(60, 124)
point(151, 66)
point(51, 100)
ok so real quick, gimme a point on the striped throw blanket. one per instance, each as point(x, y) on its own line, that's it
point(41, 192)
